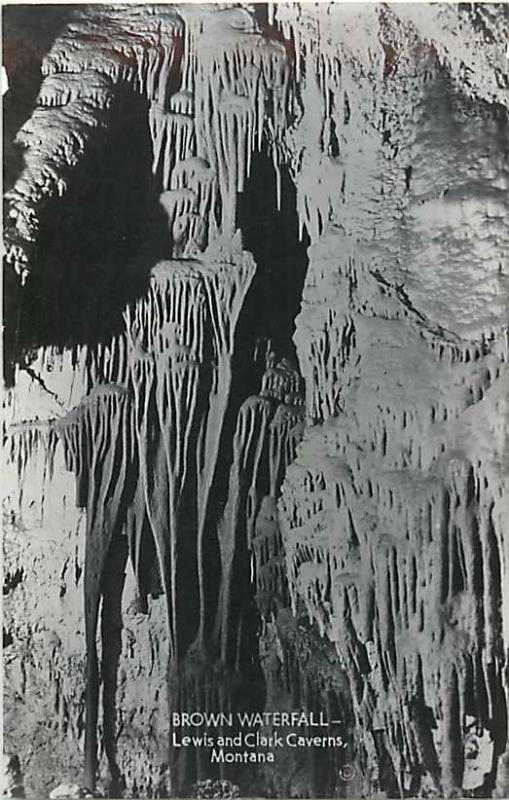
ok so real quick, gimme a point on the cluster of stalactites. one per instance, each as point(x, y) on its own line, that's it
point(392, 516)
point(187, 302)
point(205, 133)
point(268, 561)
point(376, 56)
point(84, 432)
point(269, 427)
point(394, 540)
point(478, 71)
point(405, 573)
point(181, 344)
point(55, 379)
point(188, 204)
point(127, 44)
point(30, 467)
point(163, 385)
point(99, 446)
point(207, 108)
point(25, 440)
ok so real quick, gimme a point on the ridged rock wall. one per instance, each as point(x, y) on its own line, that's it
point(202, 514)
point(393, 512)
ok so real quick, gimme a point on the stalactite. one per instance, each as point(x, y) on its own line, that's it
point(267, 426)
point(231, 82)
point(173, 140)
point(112, 584)
point(104, 485)
point(189, 317)
point(451, 622)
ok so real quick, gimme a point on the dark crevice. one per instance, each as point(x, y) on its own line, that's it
point(268, 314)
point(7, 639)
point(96, 244)
point(272, 236)
point(12, 579)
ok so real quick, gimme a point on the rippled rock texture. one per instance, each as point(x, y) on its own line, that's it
point(256, 406)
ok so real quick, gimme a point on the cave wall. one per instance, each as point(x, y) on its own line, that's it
point(256, 404)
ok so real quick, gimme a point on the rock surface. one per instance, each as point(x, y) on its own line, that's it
point(256, 345)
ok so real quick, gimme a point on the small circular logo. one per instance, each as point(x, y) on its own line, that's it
point(347, 772)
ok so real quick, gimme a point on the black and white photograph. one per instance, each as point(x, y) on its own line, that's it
point(255, 467)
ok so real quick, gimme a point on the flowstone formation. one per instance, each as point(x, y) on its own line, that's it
point(256, 404)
